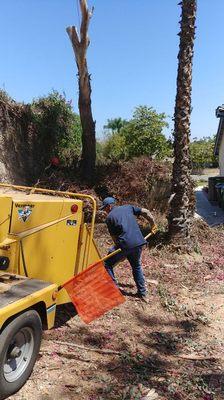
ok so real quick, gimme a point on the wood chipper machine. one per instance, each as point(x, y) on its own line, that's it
point(43, 243)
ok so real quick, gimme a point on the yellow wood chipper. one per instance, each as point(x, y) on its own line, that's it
point(43, 242)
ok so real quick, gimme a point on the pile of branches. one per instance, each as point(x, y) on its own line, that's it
point(140, 181)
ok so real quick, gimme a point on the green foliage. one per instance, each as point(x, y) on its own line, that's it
point(115, 124)
point(143, 135)
point(202, 152)
point(32, 134)
point(140, 136)
point(100, 152)
point(113, 148)
point(58, 127)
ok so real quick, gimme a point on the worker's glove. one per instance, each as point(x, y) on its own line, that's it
point(154, 229)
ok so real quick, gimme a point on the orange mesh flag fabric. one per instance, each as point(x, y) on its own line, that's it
point(93, 292)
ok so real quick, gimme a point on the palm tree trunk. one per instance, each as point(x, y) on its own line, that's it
point(180, 216)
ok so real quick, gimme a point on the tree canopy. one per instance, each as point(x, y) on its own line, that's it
point(141, 135)
point(202, 152)
point(115, 124)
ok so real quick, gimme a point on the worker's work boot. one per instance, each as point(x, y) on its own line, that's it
point(143, 297)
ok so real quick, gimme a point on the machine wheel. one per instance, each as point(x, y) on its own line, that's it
point(19, 347)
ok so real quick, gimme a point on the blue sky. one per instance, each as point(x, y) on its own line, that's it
point(132, 56)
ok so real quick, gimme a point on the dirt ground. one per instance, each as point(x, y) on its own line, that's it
point(174, 344)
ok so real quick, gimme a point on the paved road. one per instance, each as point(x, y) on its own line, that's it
point(212, 214)
point(203, 178)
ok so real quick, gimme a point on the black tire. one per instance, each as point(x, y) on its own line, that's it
point(19, 346)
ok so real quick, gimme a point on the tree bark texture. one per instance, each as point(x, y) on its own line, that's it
point(80, 42)
point(181, 210)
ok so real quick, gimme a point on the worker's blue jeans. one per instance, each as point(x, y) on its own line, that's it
point(134, 258)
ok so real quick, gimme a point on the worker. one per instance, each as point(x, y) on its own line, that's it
point(126, 234)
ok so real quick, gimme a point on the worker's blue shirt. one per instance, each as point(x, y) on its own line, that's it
point(122, 224)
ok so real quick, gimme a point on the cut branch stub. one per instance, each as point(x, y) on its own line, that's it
point(73, 35)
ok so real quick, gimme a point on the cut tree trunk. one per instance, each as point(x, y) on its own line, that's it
point(181, 208)
point(80, 42)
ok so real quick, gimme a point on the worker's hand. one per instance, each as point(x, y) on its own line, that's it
point(154, 229)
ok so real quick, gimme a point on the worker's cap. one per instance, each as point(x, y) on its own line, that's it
point(107, 201)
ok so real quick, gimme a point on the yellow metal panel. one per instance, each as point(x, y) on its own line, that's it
point(12, 253)
point(5, 212)
point(40, 212)
point(94, 255)
point(81, 260)
point(24, 191)
point(57, 252)
point(43, 295)
point(10, 248)
point(50, 254)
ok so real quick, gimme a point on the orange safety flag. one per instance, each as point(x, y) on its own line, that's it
point(93, 292)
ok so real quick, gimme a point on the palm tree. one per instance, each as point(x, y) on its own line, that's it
point(180, 215)
point(115, 124)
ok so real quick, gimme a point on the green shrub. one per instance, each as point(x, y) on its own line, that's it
point(31, 134)
point(141, 136)
point(58, 127)
point(202, 152)
point(113, 148)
